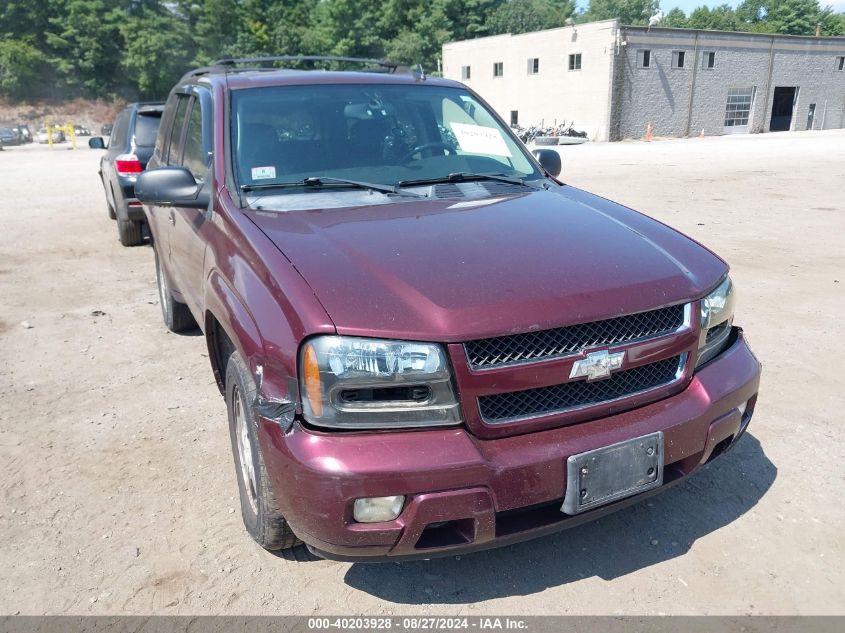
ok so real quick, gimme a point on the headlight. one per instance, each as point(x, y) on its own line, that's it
point(717, 314)
point(362, 383)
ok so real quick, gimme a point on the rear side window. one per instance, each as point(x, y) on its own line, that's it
point(119, 131)
point(172, 155)
point(146, 128)
point(194, 156)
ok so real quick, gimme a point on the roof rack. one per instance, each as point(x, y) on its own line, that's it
point(232, 64)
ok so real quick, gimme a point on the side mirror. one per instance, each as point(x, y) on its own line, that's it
point(96, 142)
point(171, 186)
point(549, 160)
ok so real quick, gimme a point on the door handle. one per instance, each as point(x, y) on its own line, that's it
point(172, 218)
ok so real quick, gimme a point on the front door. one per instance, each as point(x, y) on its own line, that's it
point(189, 226)
point(783, 103)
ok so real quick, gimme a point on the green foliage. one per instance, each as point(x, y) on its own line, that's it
point(139, 48)
point(523, 16)
point(721, 18)
point(676, 18)
point(155, 51)
point(21, 69)
point(628, 11)
point(789, 17)
point(85, 44)
point(792, 17)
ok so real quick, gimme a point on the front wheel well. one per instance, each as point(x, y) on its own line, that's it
point(220, 348)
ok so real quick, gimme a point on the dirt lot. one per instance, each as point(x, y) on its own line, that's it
point(118, 493)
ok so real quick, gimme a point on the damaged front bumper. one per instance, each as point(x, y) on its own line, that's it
point(465, 494)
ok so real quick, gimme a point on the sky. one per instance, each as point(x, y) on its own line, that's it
point(689, 5)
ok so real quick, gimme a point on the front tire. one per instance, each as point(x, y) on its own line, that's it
point(176, 316)
point(260, 512)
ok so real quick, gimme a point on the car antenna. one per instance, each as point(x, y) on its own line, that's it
point(419, 73)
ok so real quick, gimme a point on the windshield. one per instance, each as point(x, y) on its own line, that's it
point(383, 134)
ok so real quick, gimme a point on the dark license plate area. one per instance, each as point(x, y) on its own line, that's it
point(613, 472)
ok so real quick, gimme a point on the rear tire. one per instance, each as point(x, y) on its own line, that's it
point(129, 232)
point(259, 509)
point(176, 316)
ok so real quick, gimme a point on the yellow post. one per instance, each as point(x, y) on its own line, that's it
point(50, 135)
point(70, 131)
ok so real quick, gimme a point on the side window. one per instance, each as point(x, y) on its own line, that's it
point(194, 156)
point(119, 131)
point(162, 138)
point(171, 155)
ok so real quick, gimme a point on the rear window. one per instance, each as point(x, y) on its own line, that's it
point(146, 128)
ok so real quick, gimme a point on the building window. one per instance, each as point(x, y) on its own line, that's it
point(644, 58)
point(678, 59)
point(533, 65)
point(465, 72)
point(709, 60)
point(514, 118)
point(840, 63)
point(575, 61)
point(738, 108)
point(498, 69)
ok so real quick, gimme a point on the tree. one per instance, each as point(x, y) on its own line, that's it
point(156, 49)
point(470, 18)
point(214, 26)
point(627, 11)
point(721, 18)
point(22, 69)
point(85, 45)
point(675, 18)
point(791, 17)
point(524, 16)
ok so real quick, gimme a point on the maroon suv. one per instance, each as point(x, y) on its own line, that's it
point(427, 343)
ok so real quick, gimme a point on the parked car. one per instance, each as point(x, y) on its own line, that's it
point(129, 148)
point(426, 342)
point(80, 130)
point(25, 132)
point(106, 129)
point(44, 137)
point(9, 136)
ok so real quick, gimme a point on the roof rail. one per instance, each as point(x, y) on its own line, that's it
point(231, 64)
point(231, 61)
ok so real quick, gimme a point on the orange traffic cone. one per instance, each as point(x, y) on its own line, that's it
point(649, 135)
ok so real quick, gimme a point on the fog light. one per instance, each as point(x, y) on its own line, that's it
point(376, 509)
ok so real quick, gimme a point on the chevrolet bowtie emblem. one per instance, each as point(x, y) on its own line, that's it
point(597, 365)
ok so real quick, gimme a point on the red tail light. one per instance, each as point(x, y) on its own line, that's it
point(127, 165)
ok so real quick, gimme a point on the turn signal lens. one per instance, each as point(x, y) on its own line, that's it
point(311, 374)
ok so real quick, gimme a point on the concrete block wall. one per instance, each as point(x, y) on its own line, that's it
point(660, 94)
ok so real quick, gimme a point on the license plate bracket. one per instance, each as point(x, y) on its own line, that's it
point(603, 475)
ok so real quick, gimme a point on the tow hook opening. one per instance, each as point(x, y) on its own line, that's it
point(446, 533)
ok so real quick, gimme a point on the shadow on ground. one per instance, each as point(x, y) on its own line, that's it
point(608, 548)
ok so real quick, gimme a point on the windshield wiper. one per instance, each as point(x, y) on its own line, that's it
point(463, 176)
point(319, 181)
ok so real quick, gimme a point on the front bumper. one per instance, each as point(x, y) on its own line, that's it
point(464, 493)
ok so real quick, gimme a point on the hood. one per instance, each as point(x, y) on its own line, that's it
point(450, 270)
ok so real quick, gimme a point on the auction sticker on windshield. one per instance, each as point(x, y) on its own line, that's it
point(477, 139)
point(263, 173)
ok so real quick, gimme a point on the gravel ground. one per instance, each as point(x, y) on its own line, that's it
point(118, 493)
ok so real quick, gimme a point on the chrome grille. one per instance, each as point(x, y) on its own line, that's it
point(535, 346)
point(515, 405)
